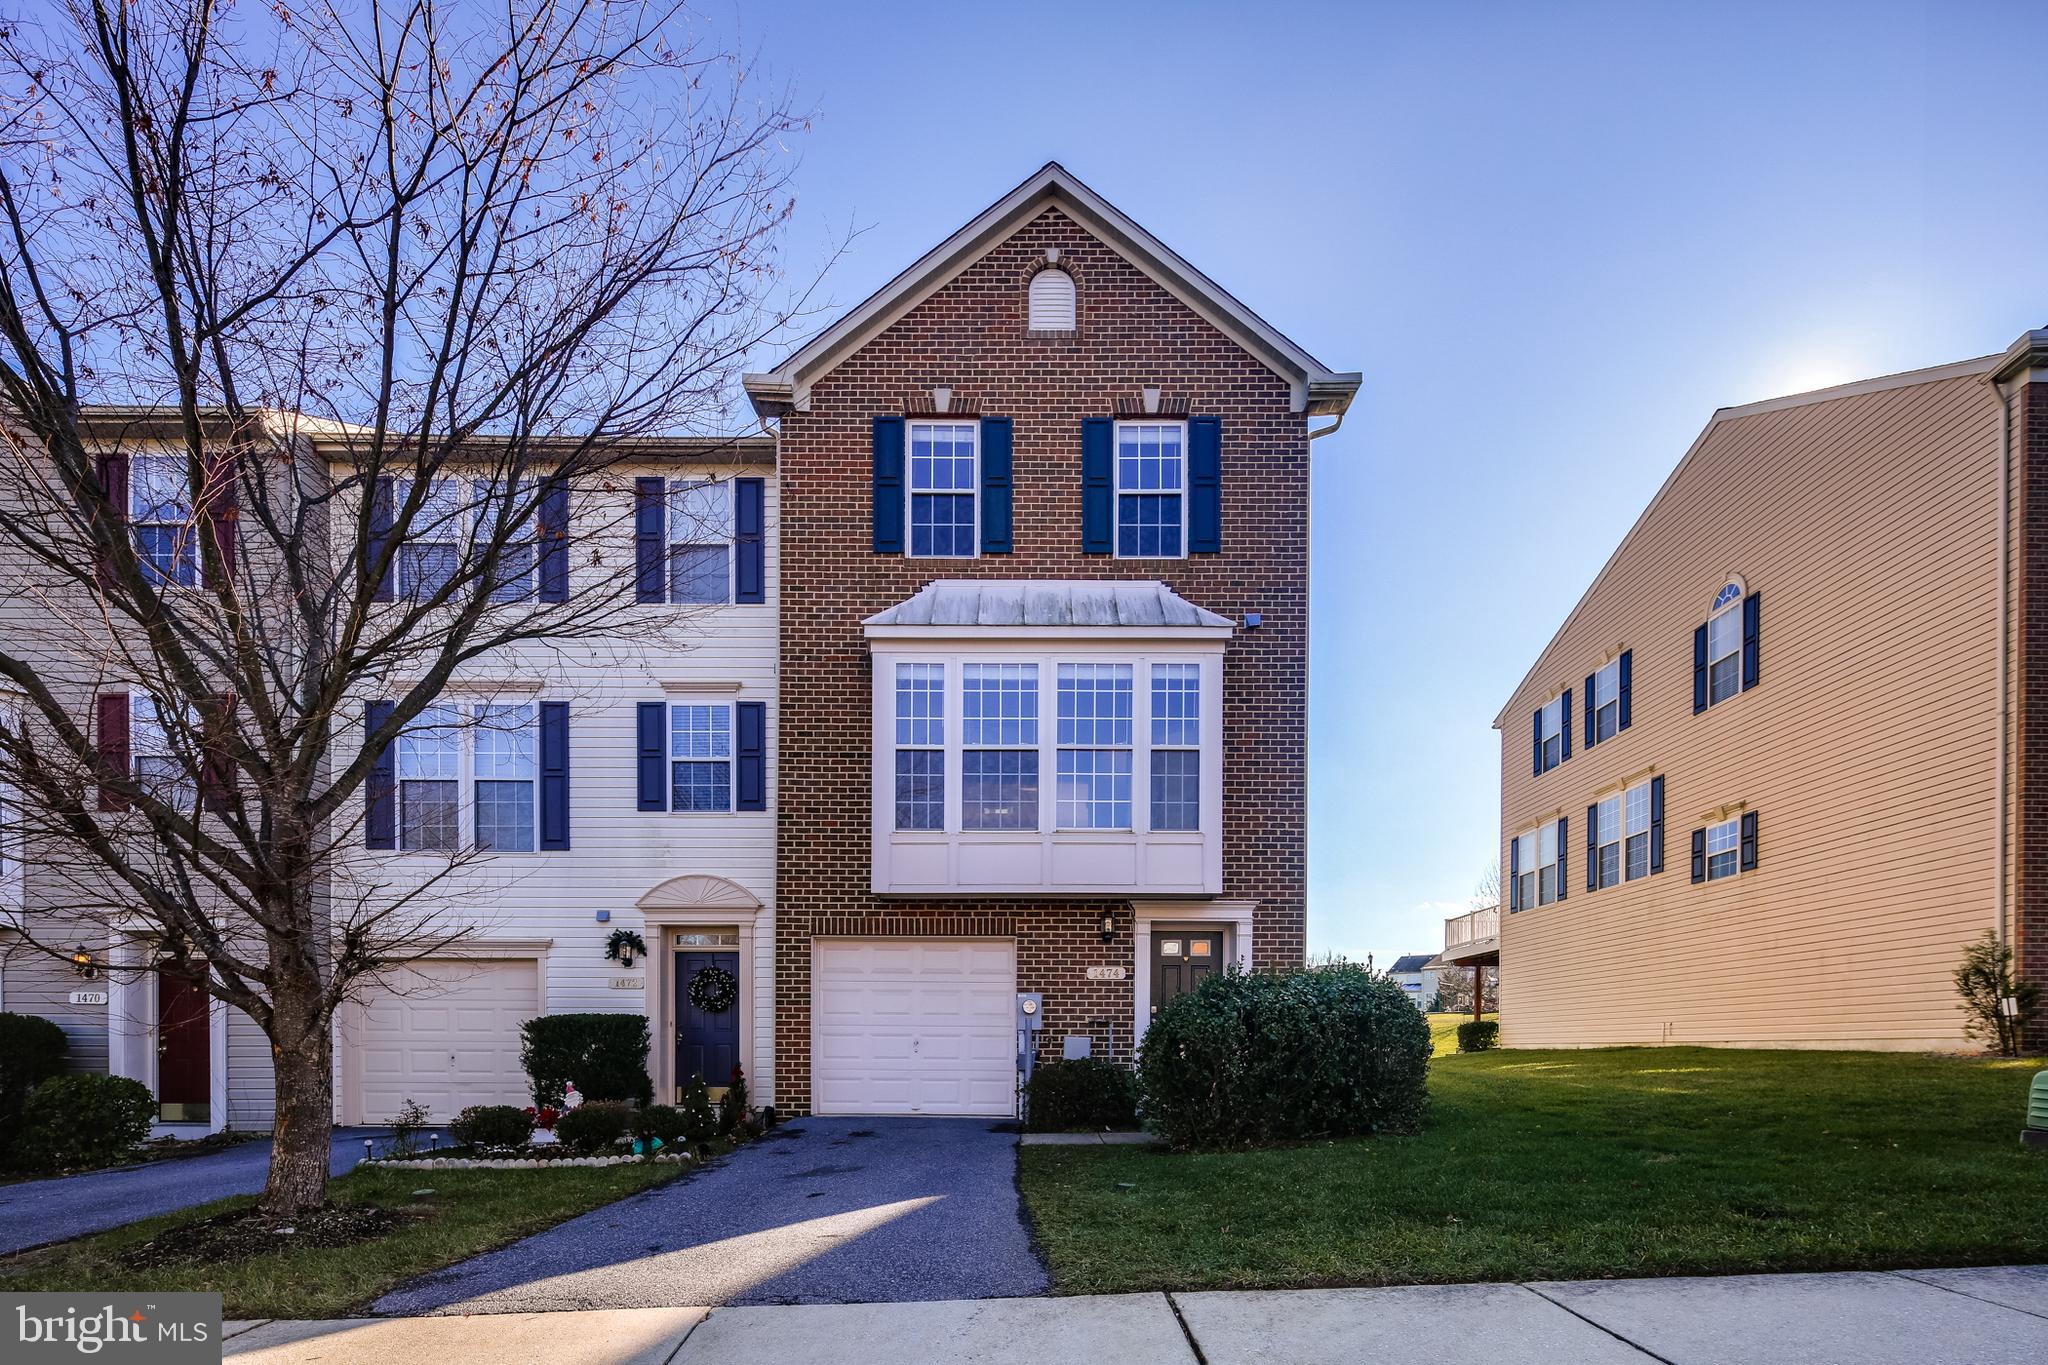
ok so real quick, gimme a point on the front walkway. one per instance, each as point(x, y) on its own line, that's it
point(1935, 1317)
point(34, 1213)
point(819, 1211)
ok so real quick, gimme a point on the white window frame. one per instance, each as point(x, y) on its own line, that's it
point(1129, 749)
point(1029, 741)
point(188, 528)
point(1630, 832)
point(474, 778)
point(677, 489)
point(145, 721)
point(927, 744)
point(1120, 492)
point(731, 759)
point(468, 719)
point(1155, 723)
point(1606, 696)
point(911, 492)
point(1732, 614)
point(1530, 864)
point(1732, 829)
point(1553, 732)
point(1607, 823)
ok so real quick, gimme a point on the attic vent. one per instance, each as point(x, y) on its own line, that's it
point(1052, 301)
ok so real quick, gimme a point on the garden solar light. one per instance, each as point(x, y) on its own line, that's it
point(2035, 1134)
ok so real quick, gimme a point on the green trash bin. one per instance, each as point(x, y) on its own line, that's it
point(2036, 1132)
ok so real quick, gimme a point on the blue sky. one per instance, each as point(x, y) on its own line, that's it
point(1553, 237)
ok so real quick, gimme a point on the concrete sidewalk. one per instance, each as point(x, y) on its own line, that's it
point(1996, 1316)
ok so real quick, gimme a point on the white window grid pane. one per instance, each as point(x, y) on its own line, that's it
point(505, 816)
point(1725, 678)
point(700, 512)
point(507, 743)
point(1095, 789)
point(700, 732)
point(700, 575)
point(429, 815)
point(921, 704)
point(700, 786)
point(942, 458)
point(920, 789)
point(1638, 809)
point(1724, 635)
point(158, 490)
point(1150, 458)
point(1610, 865)
point(1609, 809)
point(1095, 704)
point(1638, 856)
point(1177, 705)
point(1148, 525)
point(1607, 683)
point(1176, 789)
point(998, 789)
point(999, 705)
point(431, 747)
point(1724, 842)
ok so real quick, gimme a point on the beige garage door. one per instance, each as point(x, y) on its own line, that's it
point(445, 1035)
point(913, 1026)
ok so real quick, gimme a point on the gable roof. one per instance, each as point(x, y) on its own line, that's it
point(1318, 390)
point(1982, 365)
point(1413, 962)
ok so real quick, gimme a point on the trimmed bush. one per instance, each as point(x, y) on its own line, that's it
point(700, 1120)
point(1324, 1052)
point(595, 1127)
point(492, 1125)
point(733, 1107)
point(663, 1121)
point(31, 1051)
point(1479, 1035)
point(603, 1055)
point(86, 1120)
point(1084, 1095)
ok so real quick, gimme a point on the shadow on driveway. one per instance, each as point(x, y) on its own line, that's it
point(820, 1211)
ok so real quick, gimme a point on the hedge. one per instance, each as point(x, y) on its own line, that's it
point(492, 1125)
point(603, 1055)
point(1083, 1095)
point(596, 1127)
point(31, 1051)
point(1479, 1035)
point(84, 1120)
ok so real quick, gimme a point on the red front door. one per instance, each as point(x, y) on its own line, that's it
point(184, 1049)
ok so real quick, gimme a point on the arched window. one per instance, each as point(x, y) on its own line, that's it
point(1052, 301)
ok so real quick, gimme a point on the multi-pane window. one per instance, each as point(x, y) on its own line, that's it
point(1094, 746)
point(431, 553)
point(430, 782)
point(507, 778)
point(1724, 849)
point(700, 540)
point(153, 731)
point(1151, 480)
point(513, 581)
point(943, 480)
point(920, 746)
point(1724, 654)
point(160, 517)
point(1553, 733)
point(1636, 830)
point(1607, 840)
point(1606, 700)
point(999, 746)
point(1536, 866)
point(700, 756)
point(456, 520)
point(1176, 746)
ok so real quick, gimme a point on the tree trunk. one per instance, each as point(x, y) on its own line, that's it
point(302, 1052)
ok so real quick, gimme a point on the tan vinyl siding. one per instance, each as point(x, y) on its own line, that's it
point(1868, 523)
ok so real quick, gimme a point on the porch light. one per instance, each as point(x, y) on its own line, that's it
point(625, 955)
point(84, 964)
point(1108, 925)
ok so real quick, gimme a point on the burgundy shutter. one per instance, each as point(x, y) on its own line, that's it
point(216, 767)
point(112, 739)
point(223, 496)
point(113, 476)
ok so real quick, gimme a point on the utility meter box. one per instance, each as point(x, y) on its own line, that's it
point(1030, 1011)
point(2036, 1132)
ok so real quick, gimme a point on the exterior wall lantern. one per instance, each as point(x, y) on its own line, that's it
point(1108, 925)
point(624, 946)
point(85, 964)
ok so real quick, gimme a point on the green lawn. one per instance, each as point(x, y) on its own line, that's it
point(469, 1212)
point(1618, 1162)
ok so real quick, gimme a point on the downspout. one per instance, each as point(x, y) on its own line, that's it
point(2004, 652)
point(1325, 431)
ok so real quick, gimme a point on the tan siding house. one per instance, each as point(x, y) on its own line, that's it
point(1804, 626)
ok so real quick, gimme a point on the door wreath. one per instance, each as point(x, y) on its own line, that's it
point(714, 990)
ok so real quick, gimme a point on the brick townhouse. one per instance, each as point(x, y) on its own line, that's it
point(1043, 660)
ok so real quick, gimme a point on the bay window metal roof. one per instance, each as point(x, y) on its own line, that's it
point(1048, 604)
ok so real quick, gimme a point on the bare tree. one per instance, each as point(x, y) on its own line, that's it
point(1486, 895)
point(312, 321)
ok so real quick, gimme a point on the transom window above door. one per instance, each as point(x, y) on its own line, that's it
point(1151, 483)
point(943, 477)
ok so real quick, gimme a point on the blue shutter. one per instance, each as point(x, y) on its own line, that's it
point(653, 765)
point(1592, 712)
point(380, 821)
point(1564, 725)
point(650, 529)
point(381, 517)
point(1748, 841)
point(1699, 855)
point(1205, 485)
point(1593, 846)
point(995, 485)
point(1098, 492)
point(554, 775)
point(1699, 670)
point(1657, 824)
point(888, 485)
point(554, 541)
point(750, 719)
point(750, 524)
point(1539, 741)
point(1564, 844)
point(1626, 689)
point(1514, 875)
point(1752, 612)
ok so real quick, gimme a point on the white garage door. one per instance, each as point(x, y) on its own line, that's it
point(446, 1035)
point(913, 1026)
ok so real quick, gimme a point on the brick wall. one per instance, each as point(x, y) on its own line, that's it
point(2030, 861)
point(971, 336)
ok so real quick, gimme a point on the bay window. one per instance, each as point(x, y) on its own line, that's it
point(999, 746)
point(1094, 746)
point(920, 746)
point(1176, 746)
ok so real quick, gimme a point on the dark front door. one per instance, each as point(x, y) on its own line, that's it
point(1181, 961)
point(707, 1042)
point(184, 1049)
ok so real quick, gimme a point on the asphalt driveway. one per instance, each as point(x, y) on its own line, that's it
point(34, 1213)
point(821, 1211)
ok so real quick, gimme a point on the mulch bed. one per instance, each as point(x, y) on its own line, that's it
point(238, 1236)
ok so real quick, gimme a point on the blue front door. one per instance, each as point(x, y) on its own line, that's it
point(707, 1043)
